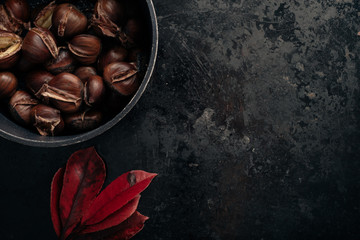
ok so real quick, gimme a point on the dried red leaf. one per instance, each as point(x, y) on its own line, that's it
point(126, 230)
point(56, 186)
point(83, 179)
point(116, 195)
point(116, 218)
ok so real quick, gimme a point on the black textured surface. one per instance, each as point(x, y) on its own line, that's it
point(251, 121)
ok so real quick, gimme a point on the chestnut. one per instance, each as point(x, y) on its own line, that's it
point(116, 54)
point(83, 121)
point(7, 23)
point(10, 46)
point(65, 62)
point(122, 77)
point(113, 10)
point(43, 17)
point(36, 80)
point(20, 106)
point(94, 90)
point(85, 72)
point(19, 10)
point(65, 92)
point(68, 21)
point(47, 120)
point(39, 46)
point(85, 48)
point(8, 84)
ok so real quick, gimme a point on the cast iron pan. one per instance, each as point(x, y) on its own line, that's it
point(11, 131)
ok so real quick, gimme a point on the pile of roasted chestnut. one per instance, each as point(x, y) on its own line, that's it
point(64, 70)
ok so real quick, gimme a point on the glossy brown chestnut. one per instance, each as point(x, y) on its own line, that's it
point(8, 84)
point(47, 120)
point(35, 81)
point(43, 17)
point(10, 46)
point(83, 121)
point(65, 62)
point(85, 72)
point(7, 23)
point(94, 91)
point(122, 77)
point(116, 54)
point(39, 46)
point(68, 21)
point(85, 48)
point(20, 106)
point(19, 10)
point(111, 9)
point(65, 92)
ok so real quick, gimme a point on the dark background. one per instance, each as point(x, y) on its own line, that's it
point(251, 121)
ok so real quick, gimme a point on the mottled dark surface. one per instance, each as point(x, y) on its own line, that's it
point(251, 120)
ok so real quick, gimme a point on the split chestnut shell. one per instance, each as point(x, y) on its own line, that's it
point(47, 120)
point(85, 48)
point(39, 46)
point(10, 46)
point(122, 77)
point(65, 92)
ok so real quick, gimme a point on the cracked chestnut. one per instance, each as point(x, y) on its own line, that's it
point(116, 54)
point(47, 120)
point(19, 10)
point(83, 121)
point(85, 72)
point(94, 91)
point(44, 15)
point(39, 45)
point(122, 77)
point(68, 21)
point(35, 81)
point(111, 9)
point(64, 62)
point(20, 106)
point(10, 46)
point(7, 23)
point(65, 92)
point(85, 48)
point(8, 84)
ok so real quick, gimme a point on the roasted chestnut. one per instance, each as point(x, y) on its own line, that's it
point(113, 10)
point(20, 106)
point(10, 46)
point(65, 62)
point(47, 120)
point(94, 90)
point(83, 121)
point(68, 21)
point(116, 54)
point(65, 92)
point(85, 48)
point(85, 72)
point(7, 23)
point(8, 84)
point(19, 10)
point(43, 17)
point(122, 77)
point(35, 81)
point(39, 46)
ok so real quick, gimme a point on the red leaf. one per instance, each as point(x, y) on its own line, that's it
point(116, 218)
point(83, 179)
point(129, 228)
point(126, 230)
point(116, 195)
point(56, 186)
